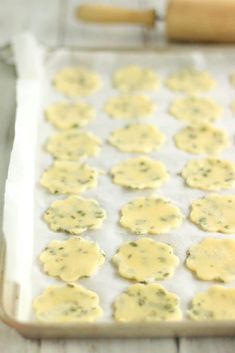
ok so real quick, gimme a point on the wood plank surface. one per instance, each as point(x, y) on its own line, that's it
point(207, 345)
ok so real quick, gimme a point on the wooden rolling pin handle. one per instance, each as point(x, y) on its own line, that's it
point(186, 20)
point(111, 14)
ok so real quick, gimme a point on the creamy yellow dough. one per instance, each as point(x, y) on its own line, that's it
point(233, 106)
point(140, 173)
point(69, 177)
point(72, 259)
point(213, 259)
point(147, 302)
point(74, 215)
point(70, 115)
point(68, 303)
point(190, 81)
point(209, 174)
point(150, 215)
point(77, 81)
point(129, 107)
point(215, 213)
point(201, 139)
point(232, 79)
point(195, 110)
point(134, 78)
point(137, 138)
point(145, 260)
point(217, 303)
point(73, 144)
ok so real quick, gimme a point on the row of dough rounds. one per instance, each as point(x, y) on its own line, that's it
point(76, 257)
point(69, 177)
point(75, 144)
point(75, 82)
point(145, 215)
point(190, 110)
point(143, 260)
point(140, 302)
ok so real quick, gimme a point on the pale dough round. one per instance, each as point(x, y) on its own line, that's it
point(152, 215)
point(147, 302)
point(140, 173)
point(134, 78)
point(190, 80)
point(74, 215)
point(77, 81)
point(129, 107)
point(215, 213)
point(232, 79)
point(209, 174)
point(73, 144)
point(213, 259)
point(72, 259)
point(67, 303)
point(137, 138)
point(68, 177)
point(70, 115)
point(145, 260)
point(195, 110)
point(217, 303)
point(201, 139)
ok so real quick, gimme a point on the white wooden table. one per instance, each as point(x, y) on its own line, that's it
point(53, 24)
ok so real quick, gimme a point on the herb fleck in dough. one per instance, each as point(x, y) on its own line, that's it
point(68, 303)
point(74, 215)
point(67, 115)
point(68, 177)
point(147, 302)
point(71, 259)
point(213, 259)
point(214, 213)
point(137, 138)
point(150, 215)
point(129, 107)
point(76, 81)
point(209, 174)
point(201, 139)
point(217, 303)
point(195, 110)
point(134, 78)
point(145, 260)
point(190, 81)
point(73, 144)
point(140, 173)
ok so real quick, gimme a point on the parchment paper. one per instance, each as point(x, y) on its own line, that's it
point(25, 201)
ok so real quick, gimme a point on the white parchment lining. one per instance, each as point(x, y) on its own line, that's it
point(25, 201)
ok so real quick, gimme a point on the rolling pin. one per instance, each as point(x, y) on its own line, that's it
point(186, 20)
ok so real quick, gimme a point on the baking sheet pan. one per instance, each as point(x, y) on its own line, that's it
point(26, 234)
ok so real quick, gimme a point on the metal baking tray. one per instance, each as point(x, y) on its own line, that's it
point(24, 232)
